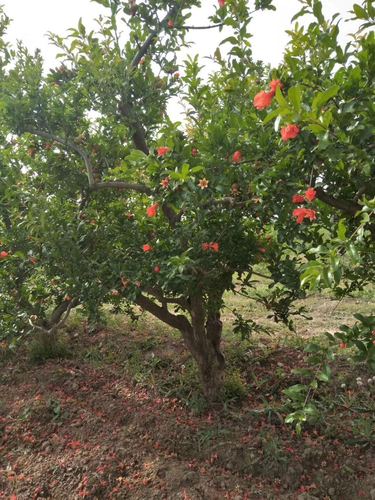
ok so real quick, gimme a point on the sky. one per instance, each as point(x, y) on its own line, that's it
point(32, 19)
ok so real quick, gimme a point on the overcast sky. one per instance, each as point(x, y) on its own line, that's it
point(32, 19)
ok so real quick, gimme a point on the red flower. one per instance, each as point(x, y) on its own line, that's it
point(153, 210)
point(157, 269)
point(165, 182)
point(4, 255)
point(214, 246)
point(237, 157)
point(262, 250)
point(343, 345)
point(194, 152)
point(163, 150)
point(274, 84)
point(297, 199)
point(304, 213)
point(310, 194)
point(263, 100)
point(147, 248)
point(221, 3)
point(290, 132)
point(170, 23)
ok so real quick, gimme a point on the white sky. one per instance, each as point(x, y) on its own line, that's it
point(32, 19)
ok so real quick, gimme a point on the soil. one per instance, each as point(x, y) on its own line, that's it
point(74, 428)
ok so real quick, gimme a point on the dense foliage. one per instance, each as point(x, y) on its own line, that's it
point(104, 199)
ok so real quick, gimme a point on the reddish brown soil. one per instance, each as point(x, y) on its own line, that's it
point(70, 430)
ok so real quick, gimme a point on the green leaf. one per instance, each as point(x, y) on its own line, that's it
point(317, 10)
point(105, 3)
point(322, 97)
point(81, 27)
point(317, 129)
point(295, 97)
point(274, 114)
point(360, 12)
point(325, 374)
point(341, 230)
point(281, 99)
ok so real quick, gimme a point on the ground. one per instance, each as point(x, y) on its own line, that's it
point(120, 415)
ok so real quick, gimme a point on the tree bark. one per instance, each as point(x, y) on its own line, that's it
point(211, 364)
point(202, 336)
point(205, 348)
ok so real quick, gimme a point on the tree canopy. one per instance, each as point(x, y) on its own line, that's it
point(105, 199)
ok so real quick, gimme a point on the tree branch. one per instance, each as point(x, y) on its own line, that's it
point(58, 318)
point(227, 201)
point(349, 207)
point(140, 188)
point(180, 301)
point(126, 108)
point(202, 27)
point(151, 37)
point(71, 145)
point(95, 186)
point(177, 321)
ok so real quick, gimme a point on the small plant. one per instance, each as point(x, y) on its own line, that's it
point(234, 387)
point(302, 397)
point(361, 336)
point(54, 407)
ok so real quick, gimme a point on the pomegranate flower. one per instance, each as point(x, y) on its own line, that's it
point(203, 183)
point(165, 182)
point(297, 199)
point(310, 194)
point(147, 248)
point(263, 100)
point(304, 213)
point(274, 84)
point(4, 255)
point(221, 3)
point(153, 210)
point(290, 132)
point(214, 246)
point(163, 150)
point(237, 157)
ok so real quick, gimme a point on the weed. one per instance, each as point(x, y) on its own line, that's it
point(234, 387)
point(44, 347)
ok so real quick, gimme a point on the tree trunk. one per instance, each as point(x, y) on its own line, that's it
point(202, 337)
point(205, 339)
point(211, 369)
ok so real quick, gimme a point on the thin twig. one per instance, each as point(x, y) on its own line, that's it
point(212, 26)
